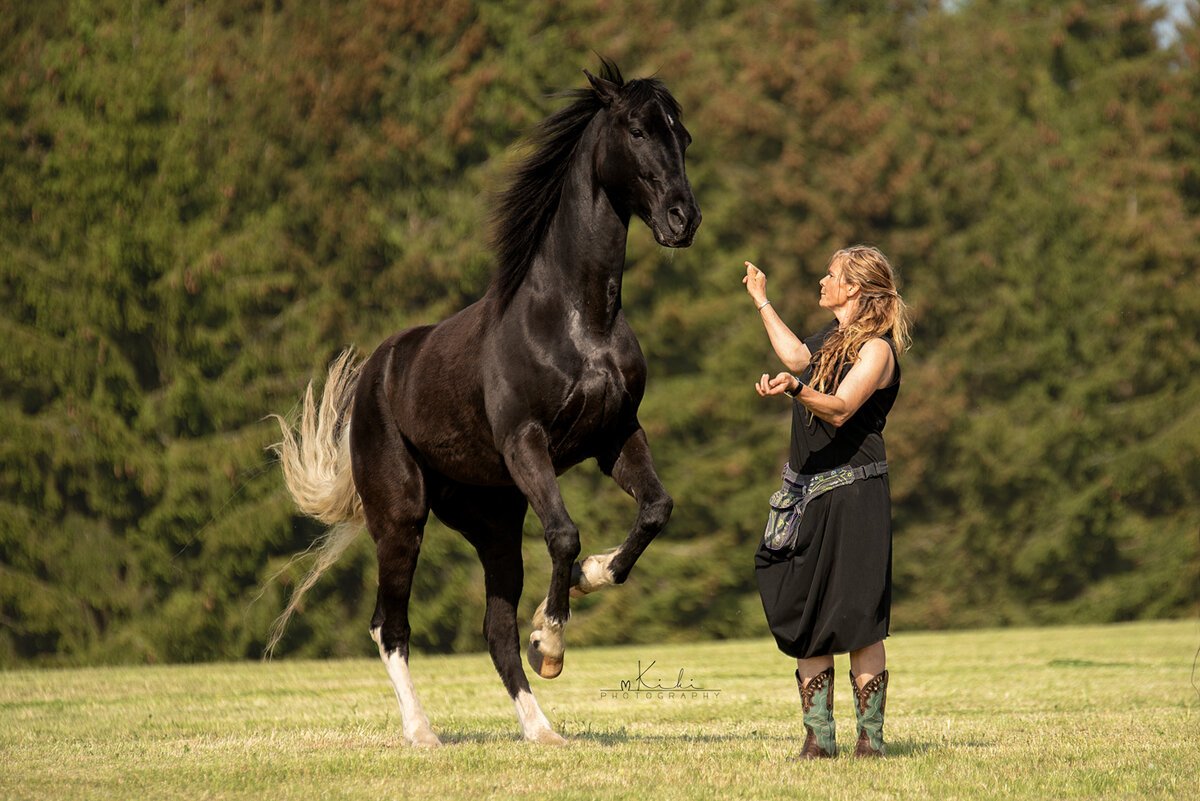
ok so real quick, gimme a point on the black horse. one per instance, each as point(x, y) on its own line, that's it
point(474, 418)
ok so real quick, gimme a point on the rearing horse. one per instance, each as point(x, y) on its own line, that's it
point(474, 418)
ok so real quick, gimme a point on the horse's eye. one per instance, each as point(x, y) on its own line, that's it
point(636, 133)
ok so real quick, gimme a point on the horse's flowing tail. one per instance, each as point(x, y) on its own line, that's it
point(315, 458)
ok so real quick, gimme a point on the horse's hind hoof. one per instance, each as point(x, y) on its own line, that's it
point(547, 737)
point(548, 667)
point(423, 738)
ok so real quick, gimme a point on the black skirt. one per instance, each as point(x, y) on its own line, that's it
point(833, 593)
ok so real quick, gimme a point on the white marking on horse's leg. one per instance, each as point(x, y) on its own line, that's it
point(416, 725)
point(594, 573)
point(548, 634)
point(539, 614)
point(547, 644)
point(534, 726)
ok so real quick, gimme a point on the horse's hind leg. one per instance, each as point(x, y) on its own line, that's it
point(393, 494)
point(491, 520)
point(397, 551)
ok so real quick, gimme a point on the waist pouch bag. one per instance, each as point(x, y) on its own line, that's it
point(798, 491)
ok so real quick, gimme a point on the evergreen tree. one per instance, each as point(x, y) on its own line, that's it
point(205, 202)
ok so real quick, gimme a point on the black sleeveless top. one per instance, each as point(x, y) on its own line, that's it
point(818, 446)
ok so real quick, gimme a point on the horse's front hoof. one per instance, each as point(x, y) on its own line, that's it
point(548, 667)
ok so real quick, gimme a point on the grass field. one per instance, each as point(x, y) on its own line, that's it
point(1087, 712)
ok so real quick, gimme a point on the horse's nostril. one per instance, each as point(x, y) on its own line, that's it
point(677, 220)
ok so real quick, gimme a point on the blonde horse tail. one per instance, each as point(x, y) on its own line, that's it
point(315, 457)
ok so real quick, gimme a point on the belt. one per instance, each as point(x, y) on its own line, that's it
point(789, 503)
point(833, 478)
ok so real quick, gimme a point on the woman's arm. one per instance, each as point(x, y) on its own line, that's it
point(873, 370)
point(790, 349)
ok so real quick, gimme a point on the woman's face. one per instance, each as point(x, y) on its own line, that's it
point(834, 293)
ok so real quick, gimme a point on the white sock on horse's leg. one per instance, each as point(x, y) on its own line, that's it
point(534, 726)
point(416, 725)
point(594, 573)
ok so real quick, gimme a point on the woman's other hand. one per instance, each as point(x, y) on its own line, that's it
point(756, 284)
point(777, 385)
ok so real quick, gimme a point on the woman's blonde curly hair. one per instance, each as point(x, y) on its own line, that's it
point(881, 310)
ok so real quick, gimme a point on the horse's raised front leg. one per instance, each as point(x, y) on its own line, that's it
point(528, 460)
point(634, 472)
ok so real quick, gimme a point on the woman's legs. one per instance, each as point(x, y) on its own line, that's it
point(866, 663)
point(814, 679)
point(868, 674)
point(815, 666)
point(869, 680)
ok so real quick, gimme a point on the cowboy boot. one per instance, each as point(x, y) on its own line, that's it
point(816, 698)
point(868, 709)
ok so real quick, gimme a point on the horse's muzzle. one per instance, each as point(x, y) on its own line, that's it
point(680, 227)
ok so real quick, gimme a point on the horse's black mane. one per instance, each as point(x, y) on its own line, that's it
point(524, 210)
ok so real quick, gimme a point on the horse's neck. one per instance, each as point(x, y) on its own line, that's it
point(582, 258)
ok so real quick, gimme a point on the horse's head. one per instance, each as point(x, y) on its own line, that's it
point(640, 155)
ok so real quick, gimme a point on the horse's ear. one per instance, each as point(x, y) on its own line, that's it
point(607, 91)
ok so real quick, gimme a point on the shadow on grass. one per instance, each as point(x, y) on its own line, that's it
point(606, 738)
point(620, 737)
point(922, 747)
point(906, 748)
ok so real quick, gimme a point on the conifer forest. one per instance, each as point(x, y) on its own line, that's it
point(203, 203)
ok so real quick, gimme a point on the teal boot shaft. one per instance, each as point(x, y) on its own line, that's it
point(816, 698)
point(869, 704)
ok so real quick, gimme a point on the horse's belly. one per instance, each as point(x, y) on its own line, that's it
point(485, 468)
point(458, 447)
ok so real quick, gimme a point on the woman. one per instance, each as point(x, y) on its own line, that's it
point(824, 567)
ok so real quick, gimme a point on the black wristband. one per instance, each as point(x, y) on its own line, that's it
point(791, 393)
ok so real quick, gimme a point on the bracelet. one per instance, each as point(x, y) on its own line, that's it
point(793, 393)
point(764, 305)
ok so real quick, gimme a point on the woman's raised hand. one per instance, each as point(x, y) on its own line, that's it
point(756, 284)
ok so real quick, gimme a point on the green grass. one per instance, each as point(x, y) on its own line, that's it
point(1081, 712)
